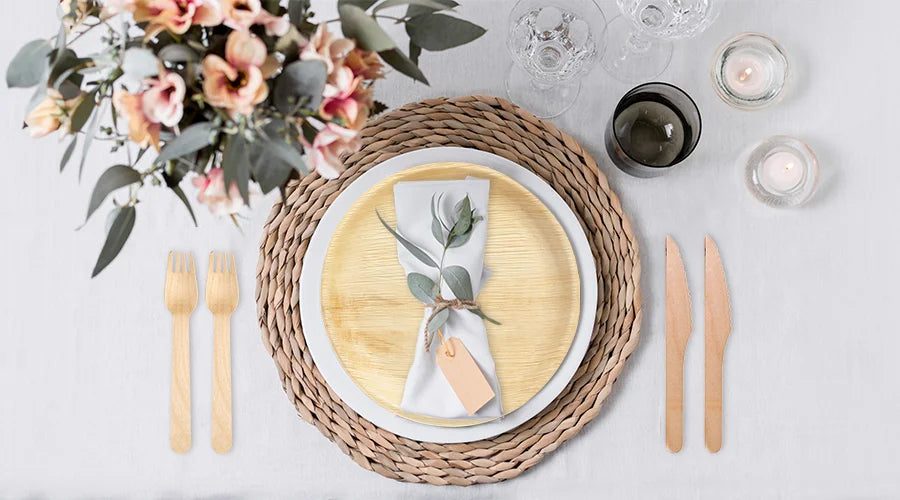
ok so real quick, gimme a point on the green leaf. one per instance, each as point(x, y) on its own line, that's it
point(192, 139)
point(362, 4)
point(300, 86)
point(140, 63)
point(441, 32)
point(396, 59)
point(414, 52)
point(418, 9)
point(28, 65)
point(180, 194)
point(89, 138)
point(422, 287)
point(457, 278)
point(458, 240)
point(482, 315)
point(236, 166)
point(63, 76)
point(273, 161)
point(437, 231)
point(430, 4)
point(369, 35)
point(464, 217)
point(177, 54)
point(115, 238)
point(297, 10)
point(438, 320)
point(67, 155)
point(416, 251)
point(115, 177)
point(82, 112)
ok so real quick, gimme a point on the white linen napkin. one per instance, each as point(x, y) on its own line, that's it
point(427, 392)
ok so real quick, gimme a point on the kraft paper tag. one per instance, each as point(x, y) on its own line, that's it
point(466, 379)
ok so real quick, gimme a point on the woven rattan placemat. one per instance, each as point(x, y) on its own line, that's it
point(497, 126)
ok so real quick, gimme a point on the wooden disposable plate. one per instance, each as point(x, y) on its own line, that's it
point(534, 290)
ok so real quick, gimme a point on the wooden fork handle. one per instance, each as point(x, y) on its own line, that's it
point(180, 410)
point(674, 397)
point(221, 400)
point(713, 399)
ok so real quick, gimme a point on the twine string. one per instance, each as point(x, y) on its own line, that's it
point(440, 303)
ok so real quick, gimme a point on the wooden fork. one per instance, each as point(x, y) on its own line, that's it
point(181, 299)
point(221, 299)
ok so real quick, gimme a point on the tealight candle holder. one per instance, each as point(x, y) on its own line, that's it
point(749, 71)
point(782, 172)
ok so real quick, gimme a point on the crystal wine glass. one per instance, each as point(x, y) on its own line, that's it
point(640, 39)
point(552, 43)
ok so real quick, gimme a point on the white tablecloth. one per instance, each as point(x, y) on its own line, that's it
point(812, 389)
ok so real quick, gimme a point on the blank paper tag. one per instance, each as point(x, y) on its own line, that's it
point(465, 378)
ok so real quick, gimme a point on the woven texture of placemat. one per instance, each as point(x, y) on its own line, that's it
point(497, 126)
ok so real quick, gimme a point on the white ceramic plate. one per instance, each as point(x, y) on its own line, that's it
point(320, 344)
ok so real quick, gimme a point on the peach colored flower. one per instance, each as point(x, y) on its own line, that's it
point(176, 16)
point(50, 114)
point(212, 193)
point(346, 98)
point(326, 48)
point(141, 129)
point(324, 154)
point(115, 7)
point(364, 63)
point(236, 83)
point(82, 9)
point(241, 14)
point(163, 101)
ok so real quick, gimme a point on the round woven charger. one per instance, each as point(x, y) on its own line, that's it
point(497, 126)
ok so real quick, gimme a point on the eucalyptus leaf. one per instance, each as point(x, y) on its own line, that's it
point(82, 112)
point(140, 63)
point(236, 166)
point(438, 320)
point(430, 4)
point(273, 161)
point(414, 52)
point(437, 231)
point(192, 139)
point(414, 250)
point(67, 154)
point(482, 315)
point(181, 196)
point(441, 32)
point(300, 86)
point(457, 278)
point(415, 9)
point(369, 35)
point(396, 59)
point(115, 177)
point(422, 287)
point(28, 65)
point(297, 10)
point(458, 240)
point(63, 76)
point(177, 53)
point(89, 137)
point(115, 238)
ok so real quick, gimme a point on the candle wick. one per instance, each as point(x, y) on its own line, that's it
point(745, 74)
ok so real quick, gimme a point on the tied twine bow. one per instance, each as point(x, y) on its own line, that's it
point(440, 303)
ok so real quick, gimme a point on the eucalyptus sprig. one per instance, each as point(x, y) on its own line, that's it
point(450, 234)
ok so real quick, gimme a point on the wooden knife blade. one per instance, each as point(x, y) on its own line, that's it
point(678, 330)
point(717, 328)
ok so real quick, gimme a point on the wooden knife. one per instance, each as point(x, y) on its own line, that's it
point(718, 327)
point(678, 330)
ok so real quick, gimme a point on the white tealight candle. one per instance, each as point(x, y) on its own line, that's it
point(781, 172)
point(747, 74)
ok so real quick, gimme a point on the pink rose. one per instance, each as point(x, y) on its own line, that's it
point(163, 102)
point(324, 154)
point(346, 99)
point(212, 193)
point(176, 16)
point(241, 14)
point(141, 129)
point(324, 47)
point(236, 83)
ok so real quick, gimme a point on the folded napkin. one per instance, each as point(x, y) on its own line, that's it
point(427, 392)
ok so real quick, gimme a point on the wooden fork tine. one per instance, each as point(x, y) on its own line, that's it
point(169, 267)
point(192, 270)
point(233, 268)
point(212, 260)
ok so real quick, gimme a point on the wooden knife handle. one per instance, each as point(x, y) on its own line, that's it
point(674, 397)
point(221, 397)
point(713, 374)
point(180, 408)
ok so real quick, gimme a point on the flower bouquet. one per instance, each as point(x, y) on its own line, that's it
point(239, 96)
